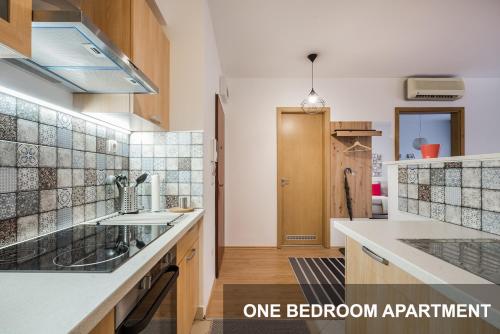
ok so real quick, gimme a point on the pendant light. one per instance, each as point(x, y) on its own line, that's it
point(419, 141)
point(313, 103)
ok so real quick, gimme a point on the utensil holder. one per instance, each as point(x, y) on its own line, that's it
point(128, 200)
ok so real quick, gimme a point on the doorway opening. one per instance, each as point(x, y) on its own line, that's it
point(220, 184)
point(303, 178)
point(417, 126)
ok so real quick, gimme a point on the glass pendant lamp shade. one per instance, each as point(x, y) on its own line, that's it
point(313, 103)
point(419, 141)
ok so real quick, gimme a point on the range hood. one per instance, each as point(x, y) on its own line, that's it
point(69, 48)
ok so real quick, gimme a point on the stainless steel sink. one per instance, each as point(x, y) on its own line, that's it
point(478, 256)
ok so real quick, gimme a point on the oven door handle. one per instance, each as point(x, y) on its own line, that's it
point(143, 312)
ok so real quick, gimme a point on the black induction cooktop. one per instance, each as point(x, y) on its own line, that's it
point(81, 248)
point(478, 256)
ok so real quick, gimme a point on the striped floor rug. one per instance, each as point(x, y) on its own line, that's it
point(322, 279)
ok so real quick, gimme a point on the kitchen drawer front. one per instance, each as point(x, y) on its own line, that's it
point(363, 266)
point(396, 286)
point(185, 245)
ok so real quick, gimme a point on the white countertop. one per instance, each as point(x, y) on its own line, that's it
point(75, 302)
point(382, 238)
point(492, 156)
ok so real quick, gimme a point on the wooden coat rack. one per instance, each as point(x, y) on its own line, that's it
point(344, 135)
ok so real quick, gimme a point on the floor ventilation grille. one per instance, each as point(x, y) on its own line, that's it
point(300, 237)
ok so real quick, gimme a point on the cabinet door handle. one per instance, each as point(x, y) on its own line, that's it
point(374, 256)
point(193, 253)
point(133, 65)
point(155, 120)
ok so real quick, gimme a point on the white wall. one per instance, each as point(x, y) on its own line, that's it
point(251, 139)
point(185, 23)
point(194, 80)
point(212, 73)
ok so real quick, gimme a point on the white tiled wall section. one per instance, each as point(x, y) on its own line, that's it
point(177, 157)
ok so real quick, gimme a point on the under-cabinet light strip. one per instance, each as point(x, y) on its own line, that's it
point(55, 107)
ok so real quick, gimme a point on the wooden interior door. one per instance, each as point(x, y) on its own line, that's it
point(219, 190)
point(301, 178)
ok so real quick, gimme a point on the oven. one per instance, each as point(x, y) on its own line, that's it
point(151, 306)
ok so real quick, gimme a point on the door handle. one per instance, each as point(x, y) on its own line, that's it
point(140, 317)
point(193, 253)
point(155, 119)
point(285, 181)
point(374, 256)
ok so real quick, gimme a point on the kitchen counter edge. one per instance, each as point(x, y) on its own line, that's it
point(106, 290)
point(382, 238)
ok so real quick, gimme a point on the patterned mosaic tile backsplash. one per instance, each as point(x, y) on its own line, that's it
point(177, 157)
point(53, 168)
point(464, 193)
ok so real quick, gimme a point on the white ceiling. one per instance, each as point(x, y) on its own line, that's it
point(358, 38)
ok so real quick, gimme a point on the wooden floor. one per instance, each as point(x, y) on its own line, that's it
point(259, 266)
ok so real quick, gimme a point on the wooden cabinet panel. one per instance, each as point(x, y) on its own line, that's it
point(362, 269)
point(15, 26)
point(164, 83)
point(184, 245)
point(133, 26)
point(145, 36)
point(183, 323)
point(106, 325)
point(188, 255)
point(150, 53)
point(113, 18)
point(371, 282)
point(193, 261)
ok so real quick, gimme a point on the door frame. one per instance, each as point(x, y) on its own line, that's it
point(457, 117)
point(326, 173)
point(219, 226)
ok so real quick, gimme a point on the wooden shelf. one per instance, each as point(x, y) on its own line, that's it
point(357, 133)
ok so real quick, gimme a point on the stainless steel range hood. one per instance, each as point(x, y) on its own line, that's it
point(69, 48)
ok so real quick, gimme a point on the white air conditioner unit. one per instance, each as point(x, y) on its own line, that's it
point(435, 89)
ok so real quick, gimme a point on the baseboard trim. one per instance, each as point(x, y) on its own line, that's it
point(250, 247)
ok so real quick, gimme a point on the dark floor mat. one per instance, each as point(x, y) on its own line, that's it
point(245, 326)
point(322, 280)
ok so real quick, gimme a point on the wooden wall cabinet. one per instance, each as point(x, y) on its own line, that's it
point(134, 26)
point(188, 260)
point(15, 28)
